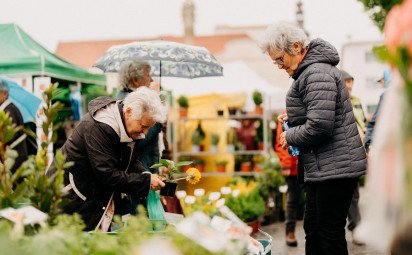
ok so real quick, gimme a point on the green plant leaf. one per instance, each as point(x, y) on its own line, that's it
point(156, 165)
point(19, 191)
point(183, 163)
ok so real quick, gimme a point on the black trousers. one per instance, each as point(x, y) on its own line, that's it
point(292, 202)
point(327, 205)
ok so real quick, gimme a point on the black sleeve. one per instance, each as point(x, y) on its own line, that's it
point(320, 102)
point(100, 150)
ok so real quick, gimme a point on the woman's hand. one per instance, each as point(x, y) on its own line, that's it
point(283, 117)
point(283, 141)
point(156, 182)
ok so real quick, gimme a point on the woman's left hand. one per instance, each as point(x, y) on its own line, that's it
point(283, 141)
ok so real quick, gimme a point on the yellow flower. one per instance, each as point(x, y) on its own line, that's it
point(193, 175)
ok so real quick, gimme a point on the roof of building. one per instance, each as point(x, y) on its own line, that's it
point(86, 53)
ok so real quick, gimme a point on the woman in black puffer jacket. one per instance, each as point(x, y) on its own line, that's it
point(319, 110)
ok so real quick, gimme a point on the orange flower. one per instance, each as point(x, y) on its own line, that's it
point(193, 175)
point(398, 27)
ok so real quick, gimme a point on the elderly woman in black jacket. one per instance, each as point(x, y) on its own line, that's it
point(323, 127)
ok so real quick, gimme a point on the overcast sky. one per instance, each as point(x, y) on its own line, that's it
point(51, 21)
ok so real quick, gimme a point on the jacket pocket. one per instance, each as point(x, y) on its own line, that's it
point(310, 161)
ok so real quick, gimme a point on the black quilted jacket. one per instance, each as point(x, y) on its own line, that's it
point(320, 111)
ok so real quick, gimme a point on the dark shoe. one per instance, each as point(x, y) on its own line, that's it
point(291, 239)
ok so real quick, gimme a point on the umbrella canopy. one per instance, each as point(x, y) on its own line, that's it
point(166, 59)
point(25, 101)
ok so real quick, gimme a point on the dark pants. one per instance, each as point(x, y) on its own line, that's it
point(327, 205)
point(354, 216)
point(292, 202)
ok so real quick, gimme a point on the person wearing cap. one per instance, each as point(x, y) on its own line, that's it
point(354, 216)
point(7, 106)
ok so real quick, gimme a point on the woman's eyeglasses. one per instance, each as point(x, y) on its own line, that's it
point(279, 60)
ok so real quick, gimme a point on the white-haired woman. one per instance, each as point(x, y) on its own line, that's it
point(323, 127)
point(103, 150)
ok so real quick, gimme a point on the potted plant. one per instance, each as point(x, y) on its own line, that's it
point(219, 112)
point(183, 105)
point(246, 164)
point(231, 139)
point(258, 100)
point(196, 141)
point(248, 206)
point(221, 165)
point(199, 164)
point(214, 139)
point(169, 169)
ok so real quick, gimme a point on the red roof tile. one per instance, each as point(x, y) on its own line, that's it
point(86, 53)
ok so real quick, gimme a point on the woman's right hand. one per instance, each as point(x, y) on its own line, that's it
point(283, 117)
point(156, 182)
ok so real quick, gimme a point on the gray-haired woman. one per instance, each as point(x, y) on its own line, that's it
point(133, 75)
point(323, 127)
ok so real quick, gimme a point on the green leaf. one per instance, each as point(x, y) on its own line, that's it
point(19, 191)
point(156, 166)
point(184, 163)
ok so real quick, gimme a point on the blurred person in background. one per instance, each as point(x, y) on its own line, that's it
point(7, 106)
point(384, 80)
point(323, 127)
point(133, 75)
point(289, 167)
point(354, 215)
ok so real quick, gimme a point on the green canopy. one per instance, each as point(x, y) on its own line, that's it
point(20, 54)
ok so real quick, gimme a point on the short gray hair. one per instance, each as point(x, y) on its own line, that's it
point(281, 36)
point(3, 86)
point(132, 69)
point(147, 100)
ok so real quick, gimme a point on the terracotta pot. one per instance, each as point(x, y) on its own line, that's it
point(246, 167)
point(199, 167)
point(255, 225)
point(183, 112)
point(260, 146)
point(221, 168)
point(259, 110)
point(169, 189)
point(257, 168)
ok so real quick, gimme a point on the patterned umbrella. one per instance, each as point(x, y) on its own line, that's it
point(166, 59)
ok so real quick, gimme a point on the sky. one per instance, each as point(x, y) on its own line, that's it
point(51, 21)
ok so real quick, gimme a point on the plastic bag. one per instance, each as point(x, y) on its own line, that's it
point(156, 211)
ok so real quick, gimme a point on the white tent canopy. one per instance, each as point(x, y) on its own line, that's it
point(238, 78)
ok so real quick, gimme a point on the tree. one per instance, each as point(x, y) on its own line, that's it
point(378, 10)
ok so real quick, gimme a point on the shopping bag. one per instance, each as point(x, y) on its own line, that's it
point(156, 211)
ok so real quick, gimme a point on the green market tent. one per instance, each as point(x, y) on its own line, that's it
point(20, 54)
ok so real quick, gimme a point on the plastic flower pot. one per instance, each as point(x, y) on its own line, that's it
point(255, 225)
point(183, 112)
point(195, 148)
point(246, 167)
point(259, 110)
point(200, 167)
point(219, 112)
point(169, 189)
point(221, 168)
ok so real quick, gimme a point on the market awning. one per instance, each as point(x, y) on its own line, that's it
point(21, 55)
